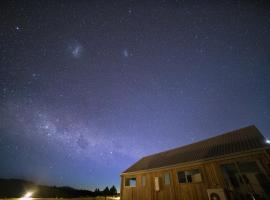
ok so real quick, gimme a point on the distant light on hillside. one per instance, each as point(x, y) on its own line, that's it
point(267, 141)
point(27, 196)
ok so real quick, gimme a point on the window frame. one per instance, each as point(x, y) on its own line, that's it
point(129, 179)
point(143, 180)
point(236, 162)
point(164, 177)
point(188, 170)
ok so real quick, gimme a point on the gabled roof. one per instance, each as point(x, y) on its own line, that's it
point(244, 139)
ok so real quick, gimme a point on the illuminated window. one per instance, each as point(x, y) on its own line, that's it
point(167, 180)
point(191, 176)
point(130, 182)
point(143, 180)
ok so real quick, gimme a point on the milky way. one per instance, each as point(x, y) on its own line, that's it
point(89, 87)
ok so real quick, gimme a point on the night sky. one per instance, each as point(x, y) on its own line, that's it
point(89, 87)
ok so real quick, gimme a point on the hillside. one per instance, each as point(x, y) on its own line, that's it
point(17, 188)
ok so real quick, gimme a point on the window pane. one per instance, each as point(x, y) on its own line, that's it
point(230, 174)
point(246, 167)
point(181, 177)
point(131, 182)
point(196, 176)
point(191, 176)
point(143, 180)
point(167, 179)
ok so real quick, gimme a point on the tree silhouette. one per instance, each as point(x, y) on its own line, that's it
point(113, 191)
point(97, 192)
point(106, 191)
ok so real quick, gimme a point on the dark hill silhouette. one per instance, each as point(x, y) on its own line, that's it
point(12, 188)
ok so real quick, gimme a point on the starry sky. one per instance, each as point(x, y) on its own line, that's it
point(89, 87)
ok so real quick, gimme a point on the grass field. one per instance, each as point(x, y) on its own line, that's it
point(88, 198)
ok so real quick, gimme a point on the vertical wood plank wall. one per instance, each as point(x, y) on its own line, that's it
point(211, 178)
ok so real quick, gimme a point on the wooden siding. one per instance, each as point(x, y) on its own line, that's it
point(211, 178)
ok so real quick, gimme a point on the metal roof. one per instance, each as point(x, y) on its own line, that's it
point(241, 140)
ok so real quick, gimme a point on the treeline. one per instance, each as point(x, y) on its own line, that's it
point(12, 188)
point(106, 192)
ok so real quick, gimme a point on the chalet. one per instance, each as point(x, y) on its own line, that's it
point(234, 165)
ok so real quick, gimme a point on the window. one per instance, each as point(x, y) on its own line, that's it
point(191, 176)
point(231, 175)
point(130, 182)
point(245, 174)
point(248, 167)
point(167, 179)
point(143, 180)
point(157, 181)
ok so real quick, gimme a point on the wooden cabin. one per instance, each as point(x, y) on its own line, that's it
point(234, 165)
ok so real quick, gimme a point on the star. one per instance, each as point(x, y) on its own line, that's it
point(126, 53)
point(75, 49)
point(35, 76)
point(76, 52)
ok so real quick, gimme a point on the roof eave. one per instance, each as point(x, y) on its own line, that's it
point(196, 161)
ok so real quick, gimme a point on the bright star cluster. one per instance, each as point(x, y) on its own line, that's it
point(89, 87)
